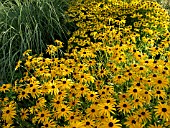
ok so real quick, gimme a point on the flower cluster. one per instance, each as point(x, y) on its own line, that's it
point(115, 74)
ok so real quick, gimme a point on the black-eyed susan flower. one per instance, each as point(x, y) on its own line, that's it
point(132, 122)
point(43, 115)
point(62, 111)
point(146, 94)
point(56, 102)
point(161, 82)
point(138, 102)
point(24, 114)
point(23, 94)
point(123, 96)
point(108, 100)
point(106, 109)
point(111, 123)
point(134, 91)
point(88, 123)
point(124, 106)
point(159, 93)
point(35, 92)
point(51, 50)
point(8, 113)
point(92, 96)
point(74, 116)
point(82, 90)
point(40, 102)
point(53, 88)
point(49, 124)
point(119, 79)
point(145, 115)
point(5, 87)
point(92, 111)
point(163, 110)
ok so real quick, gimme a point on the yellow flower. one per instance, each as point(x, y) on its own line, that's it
point(124, 106)
point(51, 49)
point(8, 113)
point(5, 87)
point(49, 124)
point(163, 110)
point(105, 109)
point(62, 111)
point(24, 114)
point(27, 52)
point(111, 123)
point(18, 64)
point(43, 115)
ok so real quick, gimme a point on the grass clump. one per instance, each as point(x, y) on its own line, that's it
point(30, 24)
point(115, 74)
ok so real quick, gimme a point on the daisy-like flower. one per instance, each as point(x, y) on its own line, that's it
point(123, 96)
point(92, 96)
point(8, 113)
point(134, 91)
point(43, 115)
point(159, 93)
point(161, 82)
point(5, 87)
point(119, 79)
point(111, 123)
point(74, 116)
point(40, 102)
point(88, 123)
point(35, 92)
point(124, 106)
point(62, 110)
point(23, 94)
point(163, 110)
point(51, 49)
point(143, 115)
point(132, 122)
point(106, 109)
point(24, 114)
point(92, 112)
point(138, 102)
point(52, 88)
point(49, 124)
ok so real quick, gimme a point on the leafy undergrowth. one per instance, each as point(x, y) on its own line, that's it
point(115, 74)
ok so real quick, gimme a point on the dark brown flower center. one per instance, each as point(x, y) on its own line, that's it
point(134, 90)
point(93, 110)
point(164, 109)
point(159, 81)
point(124, 105)
point(42, 115)
point(87, 123)
point(133, 122)
point(111, 124)
point(7, 111)
point(63, 109)
point(143, 113)
point(158, 92)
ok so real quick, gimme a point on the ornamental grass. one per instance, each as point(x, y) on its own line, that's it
point(115, 73)
point(28, 24)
